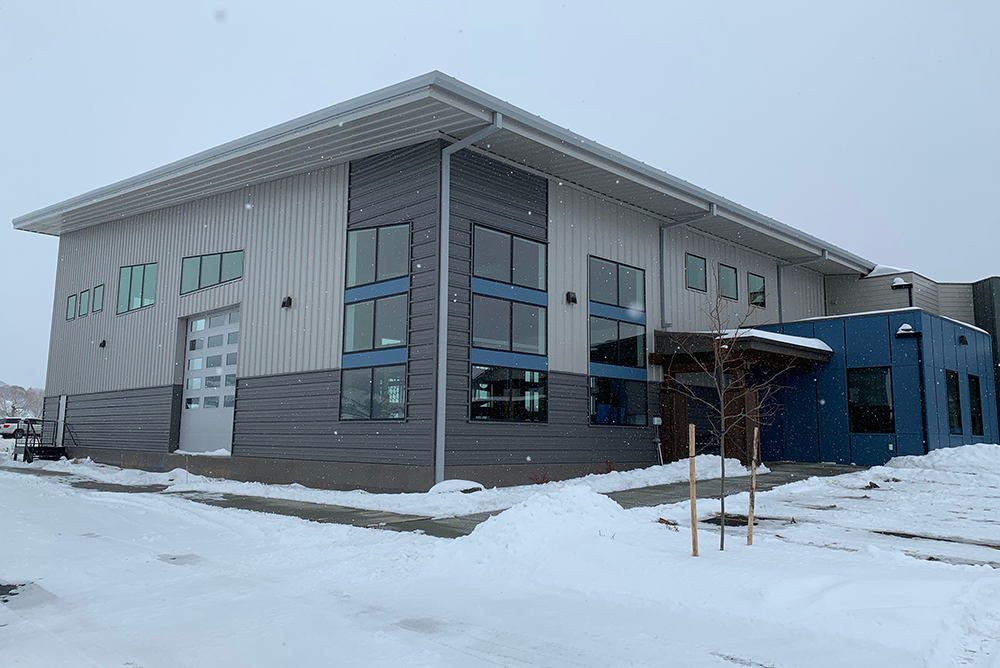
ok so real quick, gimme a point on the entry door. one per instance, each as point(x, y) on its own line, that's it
point(211, 355)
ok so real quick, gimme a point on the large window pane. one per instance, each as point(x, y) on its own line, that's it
point(631, 344)
point(603, 340)
point(135, 290)
point(211, 265)
point(388, 391)
point(615, 401)
point(361, 257)
point(491, 255)
point(356, 394)
point(695, 271)
point(976, 405)
point(529, 264)
point(393, 252)
point(149, 285)
point(954, 402)
point(359, 321)
point(727, 282)
point(98, 298)
point(232, 266)
point(190, 274)
point(869, 401)
point(390, 322)
point(755, 288)
point(603, 281)
point(631, 288)
point(491, 323)
point(71, 307)
point(528, 395)
point(528, 331)
point(84, 302)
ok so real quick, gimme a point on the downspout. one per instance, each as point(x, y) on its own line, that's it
point(444, 249)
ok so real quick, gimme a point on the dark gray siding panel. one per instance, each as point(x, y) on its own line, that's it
point(296, 416)
point(986, 302)
point(490, 193)
point(145, 419)
point(50, 416)
point(395, 187)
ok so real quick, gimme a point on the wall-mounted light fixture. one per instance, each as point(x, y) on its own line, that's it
point(570, 297)
point(962, 340)
point(102, 344)
point(286, 302)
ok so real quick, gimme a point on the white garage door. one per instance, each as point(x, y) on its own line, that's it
point(211, 356)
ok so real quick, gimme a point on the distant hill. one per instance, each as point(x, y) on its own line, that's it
point(3, 384)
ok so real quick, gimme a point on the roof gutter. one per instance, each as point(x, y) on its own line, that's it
point(444, 297)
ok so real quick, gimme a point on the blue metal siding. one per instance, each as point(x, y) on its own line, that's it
point(872, 449)
point(835, 448)
point(867, 341)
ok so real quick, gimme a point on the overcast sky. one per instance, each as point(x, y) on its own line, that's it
point(873, 125)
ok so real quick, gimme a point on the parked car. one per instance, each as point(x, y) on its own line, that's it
point(15, 427)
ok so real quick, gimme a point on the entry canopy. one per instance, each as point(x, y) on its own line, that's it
point(693, 351)
point(436, 106)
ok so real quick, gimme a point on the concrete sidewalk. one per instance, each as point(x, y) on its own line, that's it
point(448, 527)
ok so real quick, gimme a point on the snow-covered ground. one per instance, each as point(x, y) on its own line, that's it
point(565, 577)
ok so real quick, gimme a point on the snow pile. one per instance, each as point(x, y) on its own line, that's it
point(886, 270)
point(976, 459)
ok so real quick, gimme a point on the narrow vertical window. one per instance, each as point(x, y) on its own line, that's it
point(755, 288)
point(71, 307)
point(727, 282)
point(124, 283)
point(98, 299)
point(84, 303)
point(694, 269)
point(976, 405)
point(954, 402)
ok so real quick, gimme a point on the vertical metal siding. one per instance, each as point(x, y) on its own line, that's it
point(292, 233)
point(803, 294)
point(580, 225)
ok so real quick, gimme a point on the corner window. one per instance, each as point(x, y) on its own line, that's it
point(98, 299)
point(71, 307)
point(136, 287)
point(617, 342)
point(976, 405)
point(615, 401)
point(377, 254)
point(204, 271)
point(617, 285)
point(375, 393)
point(499, 393)
point(869, 401)
point(728, 282)
point(954, 402)
point(694, 270)
point(755, 288)
point(505, 258)
point(500, 324)
point(84, 303)
point(375, 324)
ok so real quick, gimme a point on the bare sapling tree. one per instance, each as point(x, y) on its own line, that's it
point(740, 398)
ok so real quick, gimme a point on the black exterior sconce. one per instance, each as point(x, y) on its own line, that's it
point(962, 340)
point(286, 302)
point(102, 344)
point(570, 297)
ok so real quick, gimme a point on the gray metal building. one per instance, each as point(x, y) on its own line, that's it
point(281, 300)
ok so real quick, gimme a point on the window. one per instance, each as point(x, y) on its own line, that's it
point(204, 271)
point(136, 287)
point(976, 405)
point(954, 402)
point(71, 307)
point(500, 324)
point(84, 303)
point(616, 401)
point(375, 393)
point(617, 285)
point(617, 342)
point(694, 270)
point(98, 299)
point(377, 254)
point(728, 282)
point(499, 393)
point(869, 401)
point(375, 324)
point(755, 288)
point(502, 257)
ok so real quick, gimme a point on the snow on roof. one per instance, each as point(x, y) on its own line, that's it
point(886, 270)
point(892, 310)
point(787, 339)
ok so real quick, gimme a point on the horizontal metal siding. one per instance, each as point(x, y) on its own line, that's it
point(292, 234)
point(296, 416)
point(955, 301)
point(140, 419)
point(851, 294)
point(580, 225)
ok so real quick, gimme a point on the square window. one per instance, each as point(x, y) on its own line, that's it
point(229, 401)
point(191, 403)
point(490, 323)
point(694, 268)
point(491, 255)
point(212, 382)
point(213, 361)
point(196, 344)
point(194, 363)
point(231, 358)
point(215, 341)
point(727, 282)
point(198, 325)
point(869, 401)
point(234, 318)
point(234, 338)
point(232, 266)
point(194, 383)
point(217, 321)
point(617, 402)
point(211, 402)
point(230, 380)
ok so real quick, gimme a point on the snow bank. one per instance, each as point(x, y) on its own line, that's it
point(981, 458)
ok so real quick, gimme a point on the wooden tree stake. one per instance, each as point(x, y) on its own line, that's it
point(694, 510)
point(753, 482)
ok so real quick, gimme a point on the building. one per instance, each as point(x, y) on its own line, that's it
point(424, 282)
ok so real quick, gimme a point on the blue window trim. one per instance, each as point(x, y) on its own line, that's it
point(620, 372)
point(617, 313)
point(374, 358)
point(516, 293)
point(483, 357)
point(374, 290)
